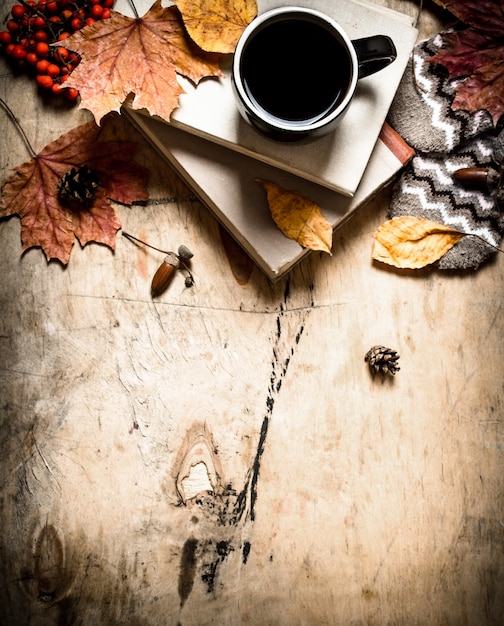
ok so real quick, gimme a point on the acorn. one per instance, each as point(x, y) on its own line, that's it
point(484, 177)
point(164, 274)
point(489, 178)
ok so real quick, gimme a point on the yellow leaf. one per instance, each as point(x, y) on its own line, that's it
point(413, 242)
point(216, 25)
point(298, 218)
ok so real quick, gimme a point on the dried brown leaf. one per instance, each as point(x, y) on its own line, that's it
point(138, 58)
point(216, 25)
point(476, 55)
point(298, 217)
point(483, 90)
point(413, 242)
point(32, 192)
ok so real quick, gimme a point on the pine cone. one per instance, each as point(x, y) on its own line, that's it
point(78, 187)
point(382, 360)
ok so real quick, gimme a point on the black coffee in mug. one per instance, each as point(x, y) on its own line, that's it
point(295, 69)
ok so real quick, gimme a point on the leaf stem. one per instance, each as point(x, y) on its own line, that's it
point(17, 124)
point(132, 238)
point(134, 9)
point(483, 240)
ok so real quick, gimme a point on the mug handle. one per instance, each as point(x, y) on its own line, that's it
point(374, 53)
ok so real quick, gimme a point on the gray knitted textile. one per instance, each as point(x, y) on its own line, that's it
point(445, 141)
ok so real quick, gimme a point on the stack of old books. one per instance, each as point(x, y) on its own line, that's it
point(220, 156)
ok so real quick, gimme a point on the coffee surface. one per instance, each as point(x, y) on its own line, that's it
point(295, 70)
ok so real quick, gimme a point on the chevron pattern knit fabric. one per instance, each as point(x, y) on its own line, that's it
point(445, 141)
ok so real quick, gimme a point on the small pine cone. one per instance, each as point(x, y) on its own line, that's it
point(382, 360)
point(77, 188)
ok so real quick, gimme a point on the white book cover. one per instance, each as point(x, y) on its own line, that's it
point(225, 182)
point(336, 161)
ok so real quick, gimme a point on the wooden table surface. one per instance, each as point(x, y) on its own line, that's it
point(317, 494)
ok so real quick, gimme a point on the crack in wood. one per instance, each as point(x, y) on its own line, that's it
point(224, 507)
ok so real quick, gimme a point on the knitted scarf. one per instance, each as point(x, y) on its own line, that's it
point(445, 141)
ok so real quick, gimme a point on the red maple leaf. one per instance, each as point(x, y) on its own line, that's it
point(476, 55)
point(123, 57)
point(32, 192)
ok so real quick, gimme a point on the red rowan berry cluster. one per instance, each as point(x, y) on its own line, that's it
point(33, 25)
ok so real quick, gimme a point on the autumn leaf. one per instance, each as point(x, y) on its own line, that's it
point(413, 242)
point(298, 217)
point(216, 25)
point(32, 192)
point(484, 15)
point(138, 58)
point(476, 55)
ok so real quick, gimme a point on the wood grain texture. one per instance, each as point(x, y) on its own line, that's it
point(337, 498)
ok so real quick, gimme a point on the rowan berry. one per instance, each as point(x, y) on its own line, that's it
point(13, 26)
point(38, 22)
point(71, 94)
point(44, 81)
point(61, 55)
point(40, 35)
point(96, 11)
point(64, 35)
point(41, 49)
point(42, 66)
point(51, 7)
point(32, 58)
point(107, 4)
point(76, 23)
point(53, 70)
point(18, 11)
point(18, 52)
point(5, 38)
point(105, 14)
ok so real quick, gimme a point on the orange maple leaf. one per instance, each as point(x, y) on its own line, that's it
point(32, 192)
point(122, 56)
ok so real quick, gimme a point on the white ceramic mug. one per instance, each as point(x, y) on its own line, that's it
point(295, 71)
